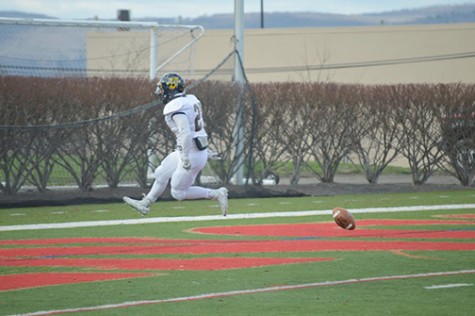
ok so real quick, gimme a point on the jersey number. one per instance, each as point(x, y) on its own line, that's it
point(198, 118)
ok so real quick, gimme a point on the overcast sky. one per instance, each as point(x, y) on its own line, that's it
point(107, 9)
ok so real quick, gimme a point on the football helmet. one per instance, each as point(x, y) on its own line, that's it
point(170, 86)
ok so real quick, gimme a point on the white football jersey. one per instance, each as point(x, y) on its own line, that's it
point(191, 107)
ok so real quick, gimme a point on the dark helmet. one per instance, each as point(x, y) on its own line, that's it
point(169, 86)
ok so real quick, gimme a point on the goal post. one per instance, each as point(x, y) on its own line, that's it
point(90, 48)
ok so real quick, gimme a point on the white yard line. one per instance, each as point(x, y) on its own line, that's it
point(447, 286)
point(248, 291)
point(150, 220)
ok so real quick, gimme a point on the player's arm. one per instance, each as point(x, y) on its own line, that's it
point(183, 137)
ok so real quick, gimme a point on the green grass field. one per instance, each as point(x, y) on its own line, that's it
point(409, 262)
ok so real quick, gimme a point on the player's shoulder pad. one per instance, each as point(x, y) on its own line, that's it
point(174, 105)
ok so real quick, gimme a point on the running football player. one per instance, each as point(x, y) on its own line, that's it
point(184, 116)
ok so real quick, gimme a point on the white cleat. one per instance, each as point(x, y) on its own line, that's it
point(142, 206)
point(222, 197)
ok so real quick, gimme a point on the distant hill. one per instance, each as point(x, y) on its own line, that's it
point(426, 15)
point(24, 15)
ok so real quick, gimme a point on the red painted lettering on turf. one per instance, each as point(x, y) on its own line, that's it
point(371, 235)
point(28, 280)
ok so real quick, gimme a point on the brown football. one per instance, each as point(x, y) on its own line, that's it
point(344, 218)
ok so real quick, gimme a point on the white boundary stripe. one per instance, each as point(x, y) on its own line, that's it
point(251, 291)
point(151, 220)
point(447, 286)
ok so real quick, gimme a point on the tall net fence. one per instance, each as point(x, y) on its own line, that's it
point(54, 48)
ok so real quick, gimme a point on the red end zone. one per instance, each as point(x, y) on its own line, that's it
point(28, 280)
point(371, 235)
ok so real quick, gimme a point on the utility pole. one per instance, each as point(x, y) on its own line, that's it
point(239, 80)
point(262, 14)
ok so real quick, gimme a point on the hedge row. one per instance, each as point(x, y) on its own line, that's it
point(47, 123)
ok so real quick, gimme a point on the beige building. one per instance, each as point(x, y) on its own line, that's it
point(382, 54)
point(368, 55)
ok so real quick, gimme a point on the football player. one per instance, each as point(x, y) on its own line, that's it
point(184, 116)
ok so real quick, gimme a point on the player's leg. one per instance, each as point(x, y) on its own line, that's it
point(182, 181)
point(163, 173)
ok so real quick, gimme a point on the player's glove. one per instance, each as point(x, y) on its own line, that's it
point(186, 164)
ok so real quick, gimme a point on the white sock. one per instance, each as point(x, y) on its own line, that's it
point(194, 193)
point(157, 190)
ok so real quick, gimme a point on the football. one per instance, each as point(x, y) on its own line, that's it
point(344, 218)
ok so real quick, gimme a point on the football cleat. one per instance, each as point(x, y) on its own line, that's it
point(221, 195)
point(142, 206)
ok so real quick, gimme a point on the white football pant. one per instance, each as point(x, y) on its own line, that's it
point(181, 179)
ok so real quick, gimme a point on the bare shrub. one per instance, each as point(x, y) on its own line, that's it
point(420, 142)
point(118, 145)
point(14, 157)
point(332, 122)
point(219, 100)
point(270, 150)
point(17, 145)
point(377, 142)
point(297, 124)
point(457, 123)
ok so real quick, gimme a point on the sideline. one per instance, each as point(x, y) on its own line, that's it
point(250, 291)
point(151, 220)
